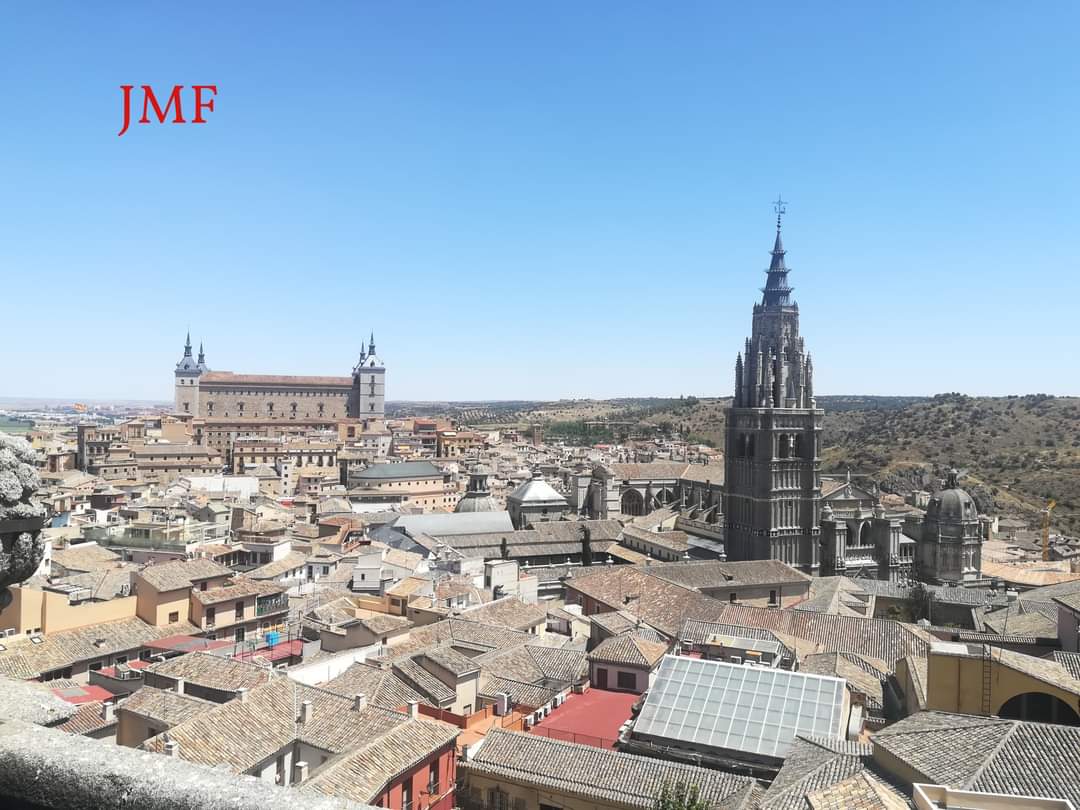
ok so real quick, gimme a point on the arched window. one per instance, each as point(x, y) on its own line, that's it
point(750, 446)
point(784, 451)
point(798, 445)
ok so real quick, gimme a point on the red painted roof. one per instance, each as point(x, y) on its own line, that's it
point(183, 643)
point(110, 672)
point(284, 649)
point(83, 694)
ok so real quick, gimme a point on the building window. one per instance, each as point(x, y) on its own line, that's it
point(406, 796)
point(626, 680)
point(772, 597)
point(211, 614)
point(731, 597)
point(239, 636)
point(174, 617)
point(433, 779)
point(239, 609)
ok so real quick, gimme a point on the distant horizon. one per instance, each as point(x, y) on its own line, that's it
point(6, 401)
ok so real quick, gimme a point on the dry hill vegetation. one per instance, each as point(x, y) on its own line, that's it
point(1013, 451)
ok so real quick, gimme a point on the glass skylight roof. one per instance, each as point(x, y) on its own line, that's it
point(739, 708)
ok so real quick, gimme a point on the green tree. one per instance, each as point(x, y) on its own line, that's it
point(680, 796)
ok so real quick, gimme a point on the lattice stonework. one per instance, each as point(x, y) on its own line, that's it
point(21, 519)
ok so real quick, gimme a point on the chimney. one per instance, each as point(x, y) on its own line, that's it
point(108, 712)
point(414, 709)
point(179, 686)
point(172, 748)
point(300, 772)
point(241, 694)
point(305, 712)
point(359, 701)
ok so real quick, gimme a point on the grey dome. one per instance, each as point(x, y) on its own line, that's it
point(952, 504)
point(477, 502)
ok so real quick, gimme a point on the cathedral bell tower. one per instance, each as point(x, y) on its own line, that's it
point(772, 492)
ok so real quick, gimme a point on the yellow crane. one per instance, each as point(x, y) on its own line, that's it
point(1046, 528)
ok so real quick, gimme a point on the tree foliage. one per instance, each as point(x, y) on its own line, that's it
point(680, 796)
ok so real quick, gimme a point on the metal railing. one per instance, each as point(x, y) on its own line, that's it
point(272, 605)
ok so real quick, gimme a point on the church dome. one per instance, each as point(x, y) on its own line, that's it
point(477, 502)
point(536, 490)
point(952, 504)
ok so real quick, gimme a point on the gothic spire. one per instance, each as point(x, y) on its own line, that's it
point(202, 354)
point(776, 291)
point(187, 345)
point(371, 345)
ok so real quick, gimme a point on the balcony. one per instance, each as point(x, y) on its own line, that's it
point(278, 603)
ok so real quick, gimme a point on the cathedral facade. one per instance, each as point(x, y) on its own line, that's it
point(207, 394)
point(772, 490)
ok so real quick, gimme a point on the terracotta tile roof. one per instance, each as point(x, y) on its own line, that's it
point(988, 754)
point(1069, 660)
point(226, 378)
point(85, 557)
point(713, 573)
point(811, 764)
point(380, 686)
point(666, 607)
point(530, 663)
point(508, 612)
point(88, 718)
point(451, 660)
point(629, 651)
point(165, 705)
point(673, 540)
point(434, 690)
point(364, 773)
point(25, 659)
point(211, 671)
point(860, 678)
point(521, 693)
point(272, 570)
point(863, 791)
point(237, 588)
point(179, 574)
point(593, 774)
point(243, 733)
point(656, 471)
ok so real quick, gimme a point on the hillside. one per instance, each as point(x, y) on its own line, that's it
point(1014, 451)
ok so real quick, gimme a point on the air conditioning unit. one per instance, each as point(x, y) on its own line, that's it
point(735, 659)
point(527, 723)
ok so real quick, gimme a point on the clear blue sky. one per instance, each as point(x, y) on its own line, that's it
point(542, 200)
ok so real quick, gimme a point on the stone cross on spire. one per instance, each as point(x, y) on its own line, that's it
point(780, 207)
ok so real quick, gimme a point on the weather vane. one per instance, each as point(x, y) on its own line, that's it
point(780, 207)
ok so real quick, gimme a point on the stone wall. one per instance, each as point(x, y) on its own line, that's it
point(43, 767)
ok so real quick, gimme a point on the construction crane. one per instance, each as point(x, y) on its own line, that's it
point(1046, 528)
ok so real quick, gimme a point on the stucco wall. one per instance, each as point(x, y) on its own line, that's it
point(955, 684)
